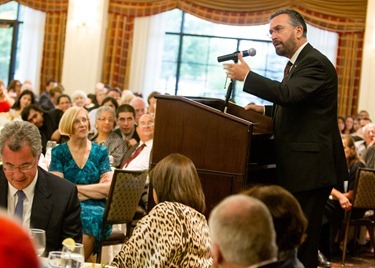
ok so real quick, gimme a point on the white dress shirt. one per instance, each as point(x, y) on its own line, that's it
point(142, 161)
point(27, 202)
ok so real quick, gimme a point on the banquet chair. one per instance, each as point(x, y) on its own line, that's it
point(123, 198)
point(363, 198)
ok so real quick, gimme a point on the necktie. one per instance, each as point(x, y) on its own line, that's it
point(287, 69)
point(134, 155)
point(19, 207)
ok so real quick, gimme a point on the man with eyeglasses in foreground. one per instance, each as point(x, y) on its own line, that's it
point(309, 153)
point(37, 198)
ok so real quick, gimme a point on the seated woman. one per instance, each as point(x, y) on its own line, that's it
point(175, 232)
point(340, 200)
point(85, 164)
point(26, 98)
point(105, 123)
point(288, 219)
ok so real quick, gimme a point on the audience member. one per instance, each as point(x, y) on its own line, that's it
point(116, 94)
point(288, 219)
point(140, 158)
point(105, 123)
point(108, 101)
point(175, 232)
point(26, 98)
point(63, 102)
point(111, 102)
point(349, 125)
point(79, 98)
point(358, 132)
point(368, 139)
point(40, 199)
point(16, 248)
point(340, 200)
point(4, 99)
point(126, 96)
point(44, 121)
point(85, 164)
point(54, 95)
point(341, 124)
point(242, 233)
point(91, 102)
point(363, 114)
point(127, 127)
point(151, 109)
point(139, 106)
point(27, 86)
point(364, 121)
point(45, 101)
point(370, 157)
point(14, 89)
point(100, 91)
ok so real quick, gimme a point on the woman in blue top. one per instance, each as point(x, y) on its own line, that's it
point(87, 165)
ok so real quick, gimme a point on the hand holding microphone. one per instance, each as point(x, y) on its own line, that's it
point(237, 71)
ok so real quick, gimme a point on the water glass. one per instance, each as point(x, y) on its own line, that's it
point(73, 257)
point(55, 259)
point(38, 236)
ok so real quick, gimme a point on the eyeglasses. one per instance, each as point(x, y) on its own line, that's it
point(23, 168)
point(146, 124)
point(110, 120)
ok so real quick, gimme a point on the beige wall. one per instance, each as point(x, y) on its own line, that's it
point(84, 44)
point(367, 87)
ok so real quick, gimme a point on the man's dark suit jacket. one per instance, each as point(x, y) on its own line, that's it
point(135, 134)
point(308, 147)
point(131, 149)
point(55, 209)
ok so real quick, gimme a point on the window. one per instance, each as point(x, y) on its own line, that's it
point(192, 45)
point(11, 22)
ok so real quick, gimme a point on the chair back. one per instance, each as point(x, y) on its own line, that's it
point(124, 195)
point(364, 189)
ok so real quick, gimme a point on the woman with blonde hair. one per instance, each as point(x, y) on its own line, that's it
point(85, 164)
point(175, 232)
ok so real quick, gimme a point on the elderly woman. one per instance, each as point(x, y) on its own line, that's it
point(175, 232)
point(79, 98)
point(105, 123)
point(85, 164)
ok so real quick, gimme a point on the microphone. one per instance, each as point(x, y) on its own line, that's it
point(234, 56)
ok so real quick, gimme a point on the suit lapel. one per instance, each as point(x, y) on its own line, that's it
point(42, 206)
point(3, 189)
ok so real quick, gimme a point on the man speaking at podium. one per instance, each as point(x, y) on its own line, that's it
point(309, 154)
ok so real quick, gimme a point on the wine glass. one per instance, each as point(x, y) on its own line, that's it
point(39, 238)
point(74, 256)
point(54, 259)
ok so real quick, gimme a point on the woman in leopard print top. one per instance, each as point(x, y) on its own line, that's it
point(175, 232)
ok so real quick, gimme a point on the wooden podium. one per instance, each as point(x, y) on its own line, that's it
point(230, 150)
